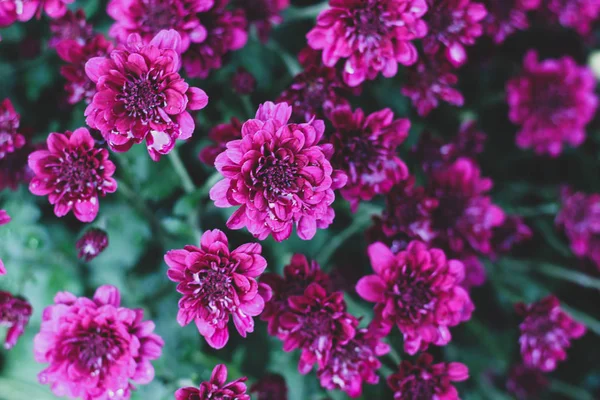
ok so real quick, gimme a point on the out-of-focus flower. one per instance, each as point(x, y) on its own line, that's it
point(552, 101)
point(371, 36)
point(511, 233)
point(525, 382)
point(14, 315)
point(575, 14)
point(10, 139)
point(425, 380)
point(24, 10)
point(91, 244)
point(14, 168)
point(452, 25)
point(220, 135)
point(216, 388)
point(279, 175)
point(262, 14)
point(270, 387)
point(218, 284)
point(546, 333)
point(505, 17)
point(365, 148)
point(243, 82)
point(94, 347)
point(141, 96)
point(71, 26)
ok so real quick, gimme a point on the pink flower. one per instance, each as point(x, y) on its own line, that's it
point(71, 26)
point(141, 96)
point(417, 290)
point(73, 173)
point(353, 363)
point(216, 388)
point(365, 148)
point(14, 314)
point(576, 14)
point(505, 17)
point(546, 333)
point(552, 101)
point(24, 10)
point(225, 32)
point(95, 347)
point(10, 139)
point(91, 244)
point(452, 25)
point(262, 14)
point(425, 380)
point(526, 383)
point(220, 135)
point(4, 219)
point(148, 17)
point(371, 36)
point(279, 175)
point(243, 82)
point(270, 387)
point(315, 322)
point(297, 276)
point(217, 284)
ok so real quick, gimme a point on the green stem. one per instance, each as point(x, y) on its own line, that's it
point(186, 180)
point(548, 232)
point(290, 61)
point(569, 391)
point(555, 271)
point(544, 209)
point(310, 12)
point(248, 107)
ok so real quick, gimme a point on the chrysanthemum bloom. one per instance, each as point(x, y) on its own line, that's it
point(225, 32)
point(297, 275)
point(216, 388)
point(417, 290)
point(425, 380)
point(465, 217)
point(546, 333)
point(279, 175)
point(452, 25)
point(220, 135)
point(149, 17)
point(217, 284)
point(73, 173)
point(141, 96)
point(14, 169)
point(579, 15)
point(71, 26)
point(79, 86)
point(14, 315)
point(552, 101)
point(96, 349)
point(371, 36)
point(270, 387)
point(510, 234)
point(26, 9)
point(353, 363)
point(314, 321)
point(432, 79)
point(365, 148)
point(262, 14)
point(10, 139)
point(243, 82)
point(91, 244)
point(505, 17)
point(4, 219)
point(526, 383)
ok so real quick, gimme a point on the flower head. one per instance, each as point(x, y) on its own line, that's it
point(14, 314)
point(24, 10)
point(220, 135)
point(217, 284)
point(525, 382)
point(243, 82)
point(417, 290)
point(365, 148)
point(10, 139)
point(216, 388)
point(95, 347)
point(425, 380)
point(546, 333)
point(371, 36)
point(279, 175)
point(575, 14)
point(552, 101)
point(141, 96)
point(505, 17)
point(73, 173)
point(262, 14)
point(71, 26)
point(91, 244)
point(270, 387)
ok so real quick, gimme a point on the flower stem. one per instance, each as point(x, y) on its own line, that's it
point(186, 180)
point(290, 61)
point(555, 271)
point(570, 391)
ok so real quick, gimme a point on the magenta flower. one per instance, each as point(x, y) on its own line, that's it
point(24, 10)
point(4, 219)
point(73, 173)
point(417, 290)
point(14, 315)
point(270, 387)
point(91, 244)
point(452, 25)
point(353, 363)
point(552, 101)
point(95, 347)
point(371, 36)
point(432, 79)
point(243, 82)
point(71, 26)
point(546, 333)
point(226, 31)
point(217, 284)
point(526, 383)
point(297, 276)
point(475, 274)
point(314, 322)
point(505, 17)
point(365, 148)
point(262, 14)
point(10, 139)
point(216, 388)
point(141, 96)
point(579, 15)
point(279, 175)
point(220, 135)
point(148, 17)
point(425, 380)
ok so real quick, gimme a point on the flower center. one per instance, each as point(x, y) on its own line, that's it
point(142, 98)
point(277, 176)
point(77, 173)
point(450, 210)
point(418, 389)
point(370, 22)
point(214, 288)
point(413, 297)
point(158, 15)
point(549, 98)
point(94, 349)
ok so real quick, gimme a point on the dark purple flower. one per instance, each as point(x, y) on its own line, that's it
point(262, 14)
point(71, 26)
point(243, 82)
point(511, 233)
point(220, 135)
point(270, 387)
point(14, 168)
point(216, 389)
point(91, 244)
point(14, 315)
point(526, 383)
point(10, 139)
point(505, 17)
